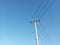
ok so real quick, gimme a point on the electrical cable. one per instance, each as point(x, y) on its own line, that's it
point(46, 9)
point(45, 34)
point(43, 8)
point(37, 9)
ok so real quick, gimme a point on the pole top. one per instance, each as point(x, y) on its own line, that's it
point(32, 21)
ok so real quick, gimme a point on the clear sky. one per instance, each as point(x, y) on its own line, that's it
point(15, 28)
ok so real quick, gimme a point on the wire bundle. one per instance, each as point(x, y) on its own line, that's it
point(41, 10)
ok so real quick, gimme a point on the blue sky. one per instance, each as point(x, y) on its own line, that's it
point(15, 28)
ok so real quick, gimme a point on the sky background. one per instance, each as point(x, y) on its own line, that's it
point(15, 28)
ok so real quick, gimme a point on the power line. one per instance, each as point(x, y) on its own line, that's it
point(37, 9)
point(43, 8)
point(39, 16)
point(44, 34)
point(47, 40)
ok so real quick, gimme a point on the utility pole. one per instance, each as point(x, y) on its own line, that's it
point(35, 29)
